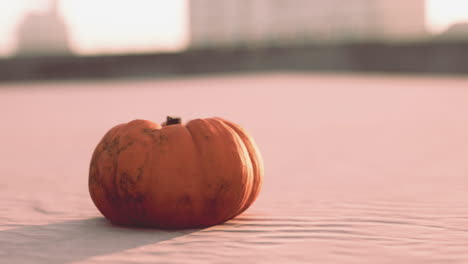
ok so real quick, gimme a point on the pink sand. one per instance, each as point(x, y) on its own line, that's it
point(359, 169)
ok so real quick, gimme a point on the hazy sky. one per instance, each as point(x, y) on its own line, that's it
point(442, 13)
point(109, 26)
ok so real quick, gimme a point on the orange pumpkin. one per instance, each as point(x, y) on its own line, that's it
point(175, 176)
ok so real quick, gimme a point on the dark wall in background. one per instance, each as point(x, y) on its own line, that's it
point(429, 57)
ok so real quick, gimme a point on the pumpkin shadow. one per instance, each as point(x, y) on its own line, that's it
point(76, 240)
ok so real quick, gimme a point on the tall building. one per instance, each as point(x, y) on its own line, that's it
point(275, 22)
point(43, 33)
point(401, 19)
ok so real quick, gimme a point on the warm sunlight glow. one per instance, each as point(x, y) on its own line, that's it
point(115, 26)
point(442, 13)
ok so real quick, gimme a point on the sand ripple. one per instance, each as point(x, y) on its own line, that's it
point(359, 169)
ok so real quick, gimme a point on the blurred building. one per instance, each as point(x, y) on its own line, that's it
point(278, 22)
point(456, 32)
point(43, 33)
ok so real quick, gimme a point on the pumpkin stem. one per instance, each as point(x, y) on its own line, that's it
point(173, 120)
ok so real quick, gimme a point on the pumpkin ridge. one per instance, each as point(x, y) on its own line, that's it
point(255, 158)
point(246, 164)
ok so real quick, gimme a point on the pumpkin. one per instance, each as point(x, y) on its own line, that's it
point(175, 176)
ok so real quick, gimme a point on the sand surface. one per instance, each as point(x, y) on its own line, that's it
point(359, 169)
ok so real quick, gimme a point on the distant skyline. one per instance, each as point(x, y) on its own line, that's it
point(105, 26)
point(115, 26)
